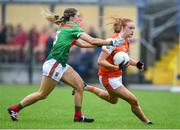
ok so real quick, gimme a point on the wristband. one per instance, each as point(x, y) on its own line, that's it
point(139, 65)
point(111, 43)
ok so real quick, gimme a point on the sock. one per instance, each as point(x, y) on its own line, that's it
point(17, 107)
point(149, 122)
point(86, 87)
point(78, 113)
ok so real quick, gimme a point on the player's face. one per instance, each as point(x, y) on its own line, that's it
point(129, 29)
point(77, 18)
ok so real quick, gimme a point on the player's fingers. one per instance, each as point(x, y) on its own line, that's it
point(128, 64)
point(142, 68)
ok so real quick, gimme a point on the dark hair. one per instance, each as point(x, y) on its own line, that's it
point(55, 18)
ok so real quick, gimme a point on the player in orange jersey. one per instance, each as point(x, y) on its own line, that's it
point(110, 75)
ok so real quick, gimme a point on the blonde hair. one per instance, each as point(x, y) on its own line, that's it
point(55, 18)
point(119, 23)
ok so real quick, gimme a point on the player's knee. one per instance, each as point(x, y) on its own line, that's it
point(80, 87)
point(134, 101)
point(42, 96)
point(114, 101)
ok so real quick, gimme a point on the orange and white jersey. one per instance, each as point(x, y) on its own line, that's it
point(111, 51)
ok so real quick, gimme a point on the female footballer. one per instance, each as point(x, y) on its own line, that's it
point(110, 75)
point(56, 69)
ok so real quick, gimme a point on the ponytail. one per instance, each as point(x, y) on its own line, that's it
point(55, 18)
point(51, 17)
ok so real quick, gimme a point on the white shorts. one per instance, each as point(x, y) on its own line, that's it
point(54, 69)
point(111, 83)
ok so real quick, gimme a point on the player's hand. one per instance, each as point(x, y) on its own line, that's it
point(127, 64)
point(140, 66)
point(124, 65)
point(117, 42)
point(116, 67)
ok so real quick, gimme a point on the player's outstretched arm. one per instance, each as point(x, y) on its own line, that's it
point(83, 44)
point(132, 62)
point(100, 42)
point(137, 64)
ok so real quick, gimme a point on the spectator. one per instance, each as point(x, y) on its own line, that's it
point(21, 37)
point(42, 43)
point(87, 57)
point(3, 30)
point(34, 41)
point(2, 41)
point(49, 42)
point(19, 43)
point(10, 34)
point(34, 36)
point(92, 32)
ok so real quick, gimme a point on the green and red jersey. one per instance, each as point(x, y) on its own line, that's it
point(66, 37)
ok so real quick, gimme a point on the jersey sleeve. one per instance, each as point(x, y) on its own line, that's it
point(108, 49)
point(77, 31)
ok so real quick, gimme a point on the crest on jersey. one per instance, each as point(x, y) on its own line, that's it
point(56, 74)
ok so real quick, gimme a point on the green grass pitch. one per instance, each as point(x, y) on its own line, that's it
point(163, 108)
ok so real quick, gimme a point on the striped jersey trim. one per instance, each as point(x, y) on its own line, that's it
point(65, 26)
point(53, 69)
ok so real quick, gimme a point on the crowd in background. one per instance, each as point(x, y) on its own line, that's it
point(16, 44)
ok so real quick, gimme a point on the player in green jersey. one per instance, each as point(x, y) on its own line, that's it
point(56, 69)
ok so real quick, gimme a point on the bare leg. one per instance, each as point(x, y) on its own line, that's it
point(47, 85)
point(125, 94)
point(72, 78)
point(103, 94)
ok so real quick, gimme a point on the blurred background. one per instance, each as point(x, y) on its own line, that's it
point(26, 38)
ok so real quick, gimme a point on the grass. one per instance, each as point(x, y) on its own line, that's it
point(163, 108)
